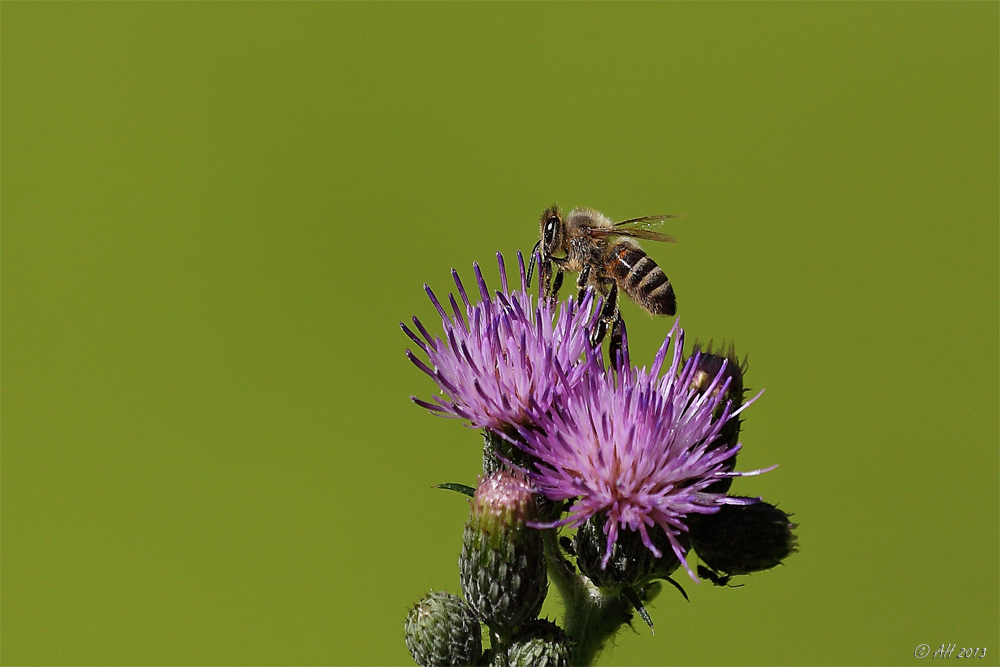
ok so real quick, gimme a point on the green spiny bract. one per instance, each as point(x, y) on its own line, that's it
point(631, 564)
point(540, 643)
point(441, 630)
point(503, 569)
point(499, 451)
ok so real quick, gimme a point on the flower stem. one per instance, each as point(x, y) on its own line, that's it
point(593, 615)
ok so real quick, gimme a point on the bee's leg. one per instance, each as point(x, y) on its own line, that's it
point(618, 346)
point(544, 277)
point(531, 263)
point(609, 313)
point(612, 313)
point(581, 282)
point(552, 291)
point(556, 284)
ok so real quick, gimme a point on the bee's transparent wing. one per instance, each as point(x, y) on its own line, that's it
point(645, 221)
point(638, 228)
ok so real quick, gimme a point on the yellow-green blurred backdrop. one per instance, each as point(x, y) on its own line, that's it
point(215, 215)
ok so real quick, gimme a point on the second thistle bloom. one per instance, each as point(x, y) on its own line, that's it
point(636, 447)
point(505, 356)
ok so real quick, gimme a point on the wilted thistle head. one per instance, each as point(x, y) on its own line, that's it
point(636, 447)
point(712, 363)
point(745, 539)
point(503, 356)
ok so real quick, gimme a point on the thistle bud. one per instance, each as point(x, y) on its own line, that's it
point(540, 643)
point(740, 539)
point(632, 564)
point(710, 364)
point(441, 630)
point(502, 566)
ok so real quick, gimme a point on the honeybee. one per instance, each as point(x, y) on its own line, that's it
point(606, 257)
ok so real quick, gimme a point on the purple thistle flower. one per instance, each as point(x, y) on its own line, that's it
point(635, 446)
point(504, 358)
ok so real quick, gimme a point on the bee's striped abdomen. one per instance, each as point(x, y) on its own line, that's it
point(639, 277)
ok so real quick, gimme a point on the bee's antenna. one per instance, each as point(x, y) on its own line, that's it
point(531, 262)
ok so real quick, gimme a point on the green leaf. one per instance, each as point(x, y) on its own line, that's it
point(461, 488)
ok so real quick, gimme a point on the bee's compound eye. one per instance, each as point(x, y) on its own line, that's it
point(550, 229)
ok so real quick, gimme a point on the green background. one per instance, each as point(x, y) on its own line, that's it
point(215, 215)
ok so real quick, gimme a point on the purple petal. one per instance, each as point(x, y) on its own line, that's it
point(461, 288)
point(430, 293)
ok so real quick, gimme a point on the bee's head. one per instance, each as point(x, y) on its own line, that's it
point(553, 231)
